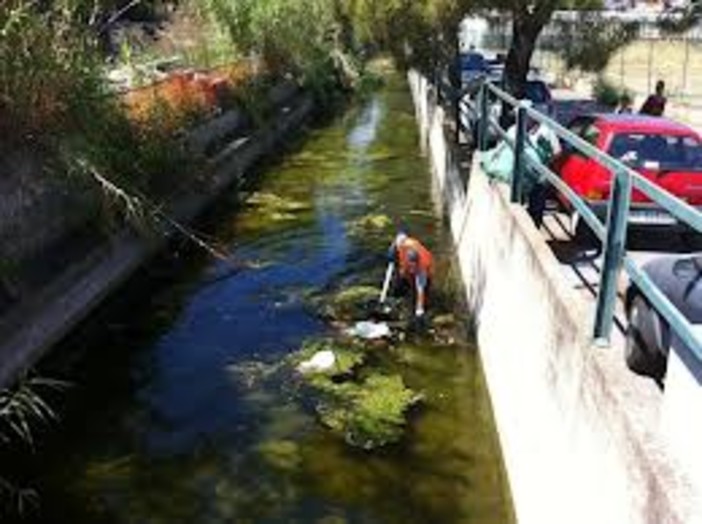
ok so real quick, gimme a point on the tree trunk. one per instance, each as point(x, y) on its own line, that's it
point(525, 31)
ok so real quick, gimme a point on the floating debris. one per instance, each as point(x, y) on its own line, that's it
point(319, 362)
point(369, 330)
point(327, 358)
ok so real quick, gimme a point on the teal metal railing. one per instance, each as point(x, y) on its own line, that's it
point(613, 232)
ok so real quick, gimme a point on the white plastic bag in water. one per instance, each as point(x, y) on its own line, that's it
point(369, 330)
point(320, 361)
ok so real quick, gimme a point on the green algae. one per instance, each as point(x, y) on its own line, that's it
point(271, 202)
point(266, 210)
point(368, 411)
point(372, 224)
point(351, 303)
point(369, 414)
point(281, 454)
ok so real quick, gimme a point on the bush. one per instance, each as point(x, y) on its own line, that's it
point(53, 95)
point(50, 75)
point(608, 94)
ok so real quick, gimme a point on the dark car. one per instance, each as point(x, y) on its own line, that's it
point(649, 337)
point(473, 67)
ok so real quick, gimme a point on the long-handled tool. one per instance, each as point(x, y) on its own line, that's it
point(386, 283)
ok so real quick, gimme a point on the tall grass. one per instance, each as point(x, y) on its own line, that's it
point(49, 74)
point(53, 95)
point(23, 410)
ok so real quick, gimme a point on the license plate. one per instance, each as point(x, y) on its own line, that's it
point(651, 216)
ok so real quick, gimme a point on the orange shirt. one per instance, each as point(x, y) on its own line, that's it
point(426, 259)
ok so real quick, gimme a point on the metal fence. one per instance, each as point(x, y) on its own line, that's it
point(613, 233)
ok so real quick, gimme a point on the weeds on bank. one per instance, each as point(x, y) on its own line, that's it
point(23, 410)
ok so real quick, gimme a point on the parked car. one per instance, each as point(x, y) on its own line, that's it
point(666, 152)
point(473, 69)
point(649, 337)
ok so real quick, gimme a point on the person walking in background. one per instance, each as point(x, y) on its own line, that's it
point(655, 103)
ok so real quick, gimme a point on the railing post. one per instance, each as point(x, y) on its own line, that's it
point(614, 249)
point(519, 143)
point(483, 124)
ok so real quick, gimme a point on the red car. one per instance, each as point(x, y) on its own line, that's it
point(666, 152)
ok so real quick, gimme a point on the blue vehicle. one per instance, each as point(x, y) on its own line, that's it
point(473, 67)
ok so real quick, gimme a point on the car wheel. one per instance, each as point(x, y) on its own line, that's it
point(643, 349)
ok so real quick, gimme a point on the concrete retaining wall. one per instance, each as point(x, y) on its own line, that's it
point(579, 435)
point(39, 321)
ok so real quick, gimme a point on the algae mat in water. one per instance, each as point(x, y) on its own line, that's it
point(356, 401)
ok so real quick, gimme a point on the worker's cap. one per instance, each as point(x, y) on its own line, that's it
point(400, 238)
point(412, 255)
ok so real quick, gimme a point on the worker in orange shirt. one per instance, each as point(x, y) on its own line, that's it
point(414, 264)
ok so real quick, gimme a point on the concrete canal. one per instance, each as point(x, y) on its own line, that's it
point(173, 417)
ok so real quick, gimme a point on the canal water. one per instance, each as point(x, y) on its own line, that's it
point(169, 418)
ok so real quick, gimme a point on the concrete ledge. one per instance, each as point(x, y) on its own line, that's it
point(579, 433)
point(42, 320)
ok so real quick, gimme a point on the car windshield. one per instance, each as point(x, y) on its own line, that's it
point(658, 151)
point(537, 92)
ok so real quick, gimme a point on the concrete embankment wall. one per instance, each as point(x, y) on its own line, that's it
point(576, 431)
point(39, 320)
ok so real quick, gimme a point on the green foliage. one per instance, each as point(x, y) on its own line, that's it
point(292, 36)
point(49, 71)
point(252, 95)
point(681, 19)
point(418, 33)
point(52, 90)
point(608, 94)
point(589, 43)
